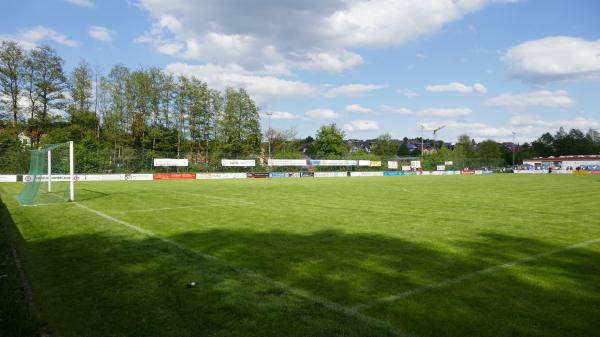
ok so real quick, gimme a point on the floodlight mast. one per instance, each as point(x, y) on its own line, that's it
point(435, 131)
point(514, 134)
point(269, 140)
point(422, 128)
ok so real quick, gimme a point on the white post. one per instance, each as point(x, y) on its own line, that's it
point(71, 172)
point(49, 171)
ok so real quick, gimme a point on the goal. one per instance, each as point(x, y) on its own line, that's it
point(51, 177)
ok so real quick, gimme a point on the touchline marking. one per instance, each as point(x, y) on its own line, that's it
point(471, 275)
point(295, 291)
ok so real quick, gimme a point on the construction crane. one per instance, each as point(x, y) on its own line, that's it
point(435, 131)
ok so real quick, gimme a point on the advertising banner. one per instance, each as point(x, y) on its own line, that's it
point(448, 163)
point(55, 177)
point(102, 177)
point(364, 163)
point(468, 172)
point(375, 163)
point(204, 176)
point(330, 174)
point(594, 171)
point(174, 176)
point(257, 175)
point(238, 162)
point(277, 175)
point(287, 162)
point(170, 162)
point(366, 174)
point(393, 173)
point(405, 168)
point(333, 162)
point(441, 168)
point(8, 178)
point(415, 164)
point(304, 174)
point(139, 176)
point(392, 164)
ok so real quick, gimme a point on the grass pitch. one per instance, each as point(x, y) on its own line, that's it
point(498, 255)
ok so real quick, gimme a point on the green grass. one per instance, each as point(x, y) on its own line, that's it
point(317, 257)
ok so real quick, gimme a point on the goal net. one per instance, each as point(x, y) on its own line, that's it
point(51, 178)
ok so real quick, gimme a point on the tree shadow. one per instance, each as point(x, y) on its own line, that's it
point(104, 282)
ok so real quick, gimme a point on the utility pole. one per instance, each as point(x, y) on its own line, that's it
point(269, 139)
point(422, 128)
point(514, 134)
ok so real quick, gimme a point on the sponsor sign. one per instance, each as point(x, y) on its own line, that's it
point(487, 172)
point(594, 171)
point(8, 178)
point(530, 171)
point(174, 176)
point(448, 163)
point(333, 162)
point(375, 163)
point(468, 172)
point(257, 175)
point(238, 162)
point(580, 172)
point(203, 176)
point(277, 175)
point(393, 173)
point(440, 168)
point(287, 162)
point(139, 176)
point(366, 174)
point(55, 177)
point(170, 162)
point(364, 163)
point(406, 168)
point(102, 177)
point(330, 174)
point(307, 174)
point(415, 164)
point(392, 165)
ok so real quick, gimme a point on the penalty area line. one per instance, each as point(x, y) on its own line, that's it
point(468, 276)
point(339, 308)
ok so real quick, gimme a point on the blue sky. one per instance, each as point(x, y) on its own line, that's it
point(487, 68)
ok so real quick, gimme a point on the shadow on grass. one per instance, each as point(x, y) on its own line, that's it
point(125, 284)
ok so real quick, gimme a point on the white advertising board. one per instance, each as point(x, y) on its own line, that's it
point(170, 162)
point(8, 178)
point(139, 176)
point(101, 177)
point(406, 168)
point(202, 176)
point(392, 164)
point(364, 163)
point(441, 168)
point(366, 174)
point(238, 162)
point(287, 162)
point(330, 174)
point(333, 162)
point(55, 177)
point(448, 163)
point(415, 164)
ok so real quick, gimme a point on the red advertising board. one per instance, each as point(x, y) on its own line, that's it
point(468, 172)
point(594, 171)
point(173, 176)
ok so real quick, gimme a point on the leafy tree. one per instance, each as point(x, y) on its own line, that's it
point(12, 61)
point(240, 126)
point(385, 146)
point(329, 142)
point(466, 144)
point(81, 97)
point(489, 151)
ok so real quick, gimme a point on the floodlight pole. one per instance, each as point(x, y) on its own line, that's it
point(269, 140)
point(71, 172)
point(513, 148)
point(422, 128)
point(49, 171)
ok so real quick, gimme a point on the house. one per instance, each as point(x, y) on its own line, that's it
point(24, 139)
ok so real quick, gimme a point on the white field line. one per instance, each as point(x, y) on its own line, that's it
point(471, 275)
point(257, 276)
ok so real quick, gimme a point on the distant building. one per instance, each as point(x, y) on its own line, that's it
point(591, 162)
point(24, 139)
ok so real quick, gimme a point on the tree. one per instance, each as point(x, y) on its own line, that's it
point(466, 144)
point(543, 146)
point(329, 141)
point(12, 61)
point(489, 151)
point(81, 97)
point(385, 146)
point(240, 125)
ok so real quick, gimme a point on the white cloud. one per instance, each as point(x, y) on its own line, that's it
point(282, 115)
point(357, 108)
point(554, 58)
point(30, 37)
point(82, 3)
point(457, 87)
point(100, 33)
point(351, 90)
point(433, 112)
point(361, 125)
point(262, 88)
point(408, 93)
point(319, 35)
point(322, 114)
point(545, 98)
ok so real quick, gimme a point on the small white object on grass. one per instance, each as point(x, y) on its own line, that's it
point(191, 284)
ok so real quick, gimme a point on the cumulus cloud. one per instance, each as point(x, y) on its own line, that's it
point(554, 58)
point(322, 114)
point(408, 93)
point(457, 87)
point(100, 33)
point(351, 90)
point(261, 87)
point(357, 108)
point(545, 98)
point(361, 125)
point(433, 112)
point(314, 34)
point(82, 3)
point(30, 37)
point(284, 115)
